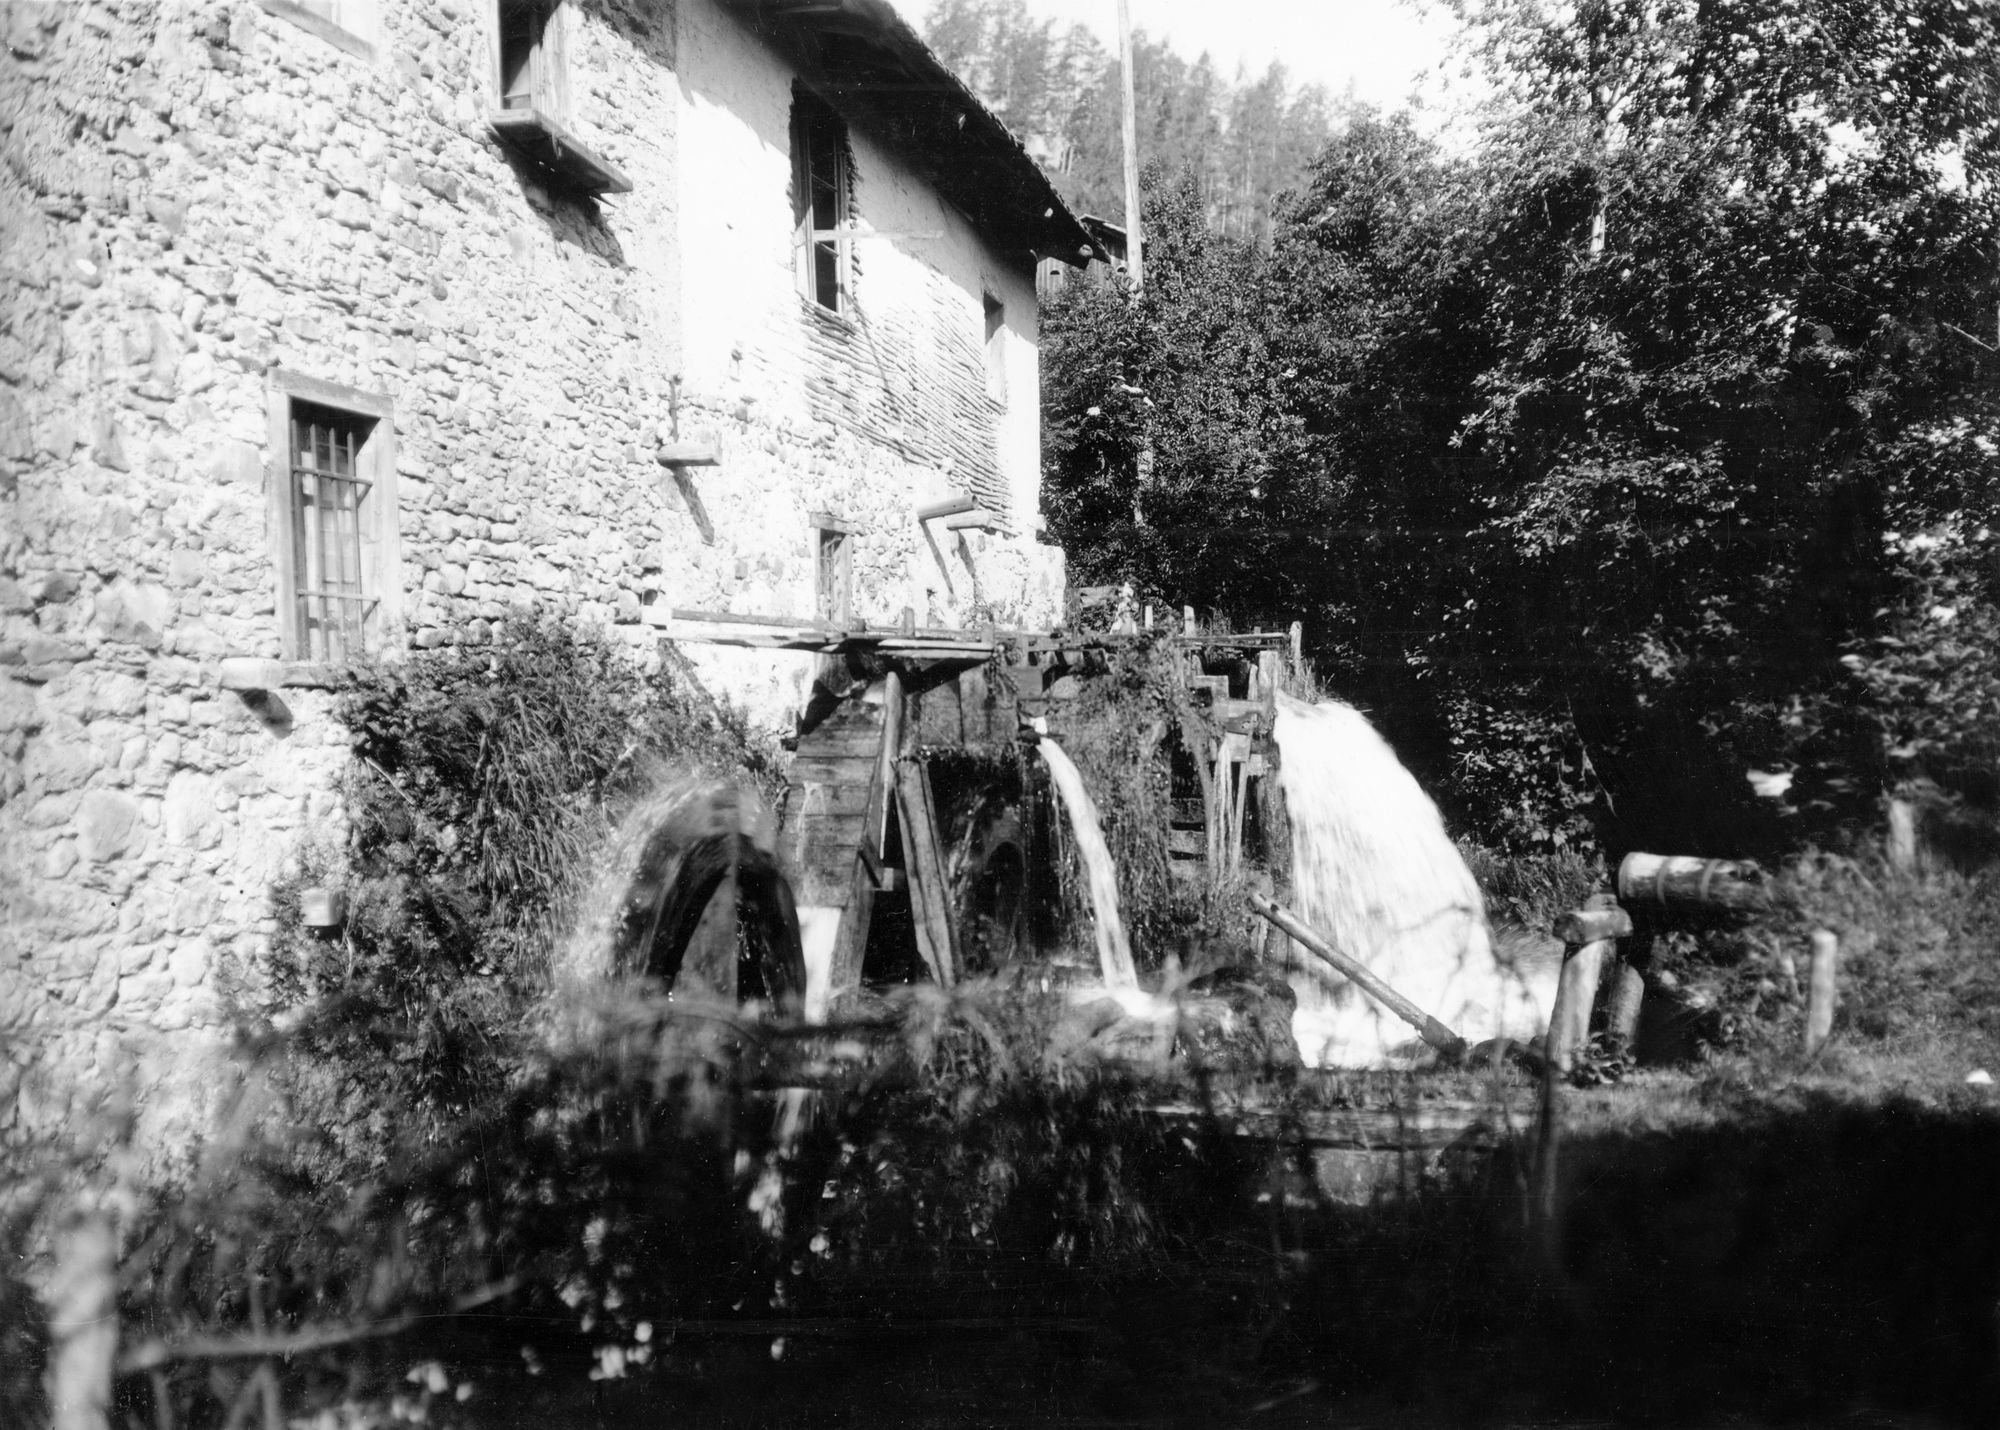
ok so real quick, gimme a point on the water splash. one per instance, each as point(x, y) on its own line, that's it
point(1114, 953)
point(1374, 872)
point(585, 957)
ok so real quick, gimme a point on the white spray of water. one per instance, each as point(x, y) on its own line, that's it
point(585, 956)
point(1374, 872)
point(1114, 953)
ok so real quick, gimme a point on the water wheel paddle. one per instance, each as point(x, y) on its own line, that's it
point(708, 906)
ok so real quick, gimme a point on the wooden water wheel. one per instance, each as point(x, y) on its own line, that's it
point(708, 907)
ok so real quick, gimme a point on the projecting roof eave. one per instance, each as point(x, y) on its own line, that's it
point(877, 72)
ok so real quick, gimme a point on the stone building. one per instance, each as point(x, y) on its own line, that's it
point(335, 327)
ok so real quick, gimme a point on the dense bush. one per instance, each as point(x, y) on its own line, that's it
point(643, 1167)
point(484, 780)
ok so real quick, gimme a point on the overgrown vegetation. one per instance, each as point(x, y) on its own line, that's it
point(1127, 730)
point(485, 779)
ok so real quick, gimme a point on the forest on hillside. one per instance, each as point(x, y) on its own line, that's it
point(1247, 138)
point(1638, 467)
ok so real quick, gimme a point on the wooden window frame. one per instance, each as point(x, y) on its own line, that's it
point(354, 26)
point(833, 568)
point(823, 255)
point(379, 528)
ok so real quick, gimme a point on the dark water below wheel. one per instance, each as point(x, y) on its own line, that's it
point(708, 907)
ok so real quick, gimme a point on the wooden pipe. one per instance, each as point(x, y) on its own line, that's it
point(1428, 1028)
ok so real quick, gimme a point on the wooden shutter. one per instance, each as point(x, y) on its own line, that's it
point(552, 67)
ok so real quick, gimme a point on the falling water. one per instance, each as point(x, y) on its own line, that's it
point(1375, 873)
point(1114, 954)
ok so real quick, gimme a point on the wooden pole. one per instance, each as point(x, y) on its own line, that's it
point(1588, 935)
point(1821, 990)
point(1135, 263)
point(1428, 1028)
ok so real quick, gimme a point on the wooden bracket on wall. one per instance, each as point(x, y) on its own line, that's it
point(677, 457)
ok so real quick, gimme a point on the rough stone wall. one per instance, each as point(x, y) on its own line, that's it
point(197, 193)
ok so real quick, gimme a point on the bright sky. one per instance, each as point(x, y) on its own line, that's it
point(1384, 48)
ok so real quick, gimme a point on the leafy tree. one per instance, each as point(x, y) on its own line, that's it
point(1246, 140)
point(1603, 425)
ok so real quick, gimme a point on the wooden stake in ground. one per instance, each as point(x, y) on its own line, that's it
point(1822, 991)
point(1428, 1028)
point(1589, 935)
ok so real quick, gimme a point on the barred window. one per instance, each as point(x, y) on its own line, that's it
point(326, 530)
point(333, 519)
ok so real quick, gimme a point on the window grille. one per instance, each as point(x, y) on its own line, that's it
point(328, 491)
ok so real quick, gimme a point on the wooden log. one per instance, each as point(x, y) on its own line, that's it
point(1822, 992)
point(1589, 935)
point(1428, 1028)
point(1673, 881)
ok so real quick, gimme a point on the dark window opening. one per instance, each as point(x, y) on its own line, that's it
point(996, 348)
point(821, 200)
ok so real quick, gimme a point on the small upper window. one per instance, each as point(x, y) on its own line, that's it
point(996, 348)
point(821, 201)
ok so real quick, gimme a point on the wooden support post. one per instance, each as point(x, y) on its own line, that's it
point(1822, 992)
point(83, 1324)
point(1187, 620)
point(1298, 634)
point(1270, 676)
point(882, 793)
point(1628, 993)
point(1902, 842)
point(1548, 1143)
point(1364, 978)
point(857, 911)
point(1588, 935)
point(930, 901)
